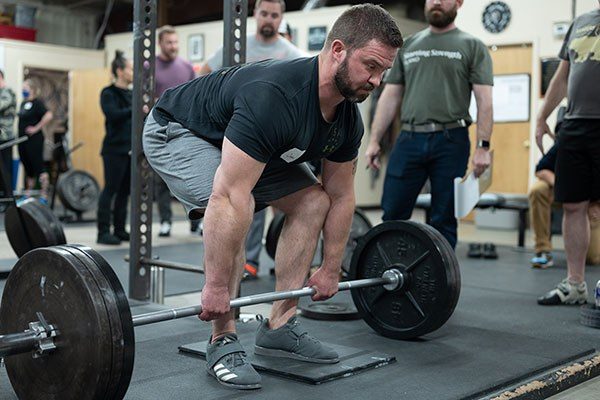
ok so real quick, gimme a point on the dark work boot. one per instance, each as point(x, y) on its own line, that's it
point(108, 238)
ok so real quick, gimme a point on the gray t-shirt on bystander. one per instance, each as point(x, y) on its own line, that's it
point(438, 71)
point(581, 48)
point(258, 51)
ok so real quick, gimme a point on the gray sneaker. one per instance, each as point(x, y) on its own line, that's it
point(565, 293)
point(291, 341)
point(226, 361)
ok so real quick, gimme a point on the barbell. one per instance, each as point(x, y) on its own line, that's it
point(68, 332)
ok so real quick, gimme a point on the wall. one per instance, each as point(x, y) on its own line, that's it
point(368, 190)
point(65, 28)
point(18, 55)
point(531, 22)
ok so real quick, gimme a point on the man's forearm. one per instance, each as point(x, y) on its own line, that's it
point(485, 122)
point(226, 223)
point(336, 231)
point(387, 106)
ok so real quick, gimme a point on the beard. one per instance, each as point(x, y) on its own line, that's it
point(267, 31)
point(344, 85)
point(440, 19)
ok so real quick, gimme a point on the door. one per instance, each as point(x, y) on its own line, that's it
point(510, 140)
point(87, 125)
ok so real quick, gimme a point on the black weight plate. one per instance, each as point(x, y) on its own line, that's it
point(125, 352)
point(330, 311)
point(78, 190)
point(30, 230)
point(590, 315)
point(432, 286)
point(273, 233)
point(60, 286)
point(55, 224)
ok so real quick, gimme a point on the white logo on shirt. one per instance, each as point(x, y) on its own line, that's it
point(292, 155)
point(28, 105)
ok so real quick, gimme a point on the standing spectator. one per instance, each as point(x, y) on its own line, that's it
point(432, 79)
point(578, 157)
point(541, 199)
point(115, 101)
point(171, 71)
point(8, 106)
point(265, 43)
point(33, 116)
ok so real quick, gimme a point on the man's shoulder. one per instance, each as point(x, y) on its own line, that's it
point(467, 37)
point(182, 61)
point(588, 17)
point(6, 91)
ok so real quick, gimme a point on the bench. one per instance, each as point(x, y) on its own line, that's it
point(517, 203)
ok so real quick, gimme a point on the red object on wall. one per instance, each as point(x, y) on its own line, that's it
point(17, 32)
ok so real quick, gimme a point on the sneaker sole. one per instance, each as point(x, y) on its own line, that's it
point(263, 351)
point(234, 385)
point(542, 266)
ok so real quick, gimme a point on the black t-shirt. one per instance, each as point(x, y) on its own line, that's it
point(30, 114)
point(548, 161)
point(269, 109)
point(116, 105)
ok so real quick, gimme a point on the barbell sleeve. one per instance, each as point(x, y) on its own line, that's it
point(182, 312)
point(17, 343)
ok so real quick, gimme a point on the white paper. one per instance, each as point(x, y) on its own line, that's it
point(466, 195)
point(511, 96)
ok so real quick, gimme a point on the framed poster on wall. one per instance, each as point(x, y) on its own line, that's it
point(196, 47)
point(316, 37)
point(511, 98)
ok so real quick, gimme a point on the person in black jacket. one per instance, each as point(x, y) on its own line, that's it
point(115, 101)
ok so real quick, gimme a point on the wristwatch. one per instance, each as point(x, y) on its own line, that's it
point(484, 144)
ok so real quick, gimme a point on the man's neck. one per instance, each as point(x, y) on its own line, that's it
point(329, 96)
point(445, 29)
point(265, 40)
point(165, 58)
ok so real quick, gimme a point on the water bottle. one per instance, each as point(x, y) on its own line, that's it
point(597, 294)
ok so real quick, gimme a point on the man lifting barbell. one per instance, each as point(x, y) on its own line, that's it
point(236, 140)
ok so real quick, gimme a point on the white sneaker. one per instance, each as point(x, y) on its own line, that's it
point(165, 229)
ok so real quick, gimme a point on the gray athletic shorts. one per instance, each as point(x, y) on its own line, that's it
point(188, 163)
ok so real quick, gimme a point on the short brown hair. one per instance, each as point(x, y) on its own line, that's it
point(165, 30)
point(281, 3)
point(362, 23)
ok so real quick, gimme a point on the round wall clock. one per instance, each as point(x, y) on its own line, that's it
point(496, 17)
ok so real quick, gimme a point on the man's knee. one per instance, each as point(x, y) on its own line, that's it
point(540, 191)
point(594, 213)
point(312, 206)
point(573, 208)
point(316, 204)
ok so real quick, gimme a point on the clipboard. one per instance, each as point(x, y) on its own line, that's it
point(469, 189)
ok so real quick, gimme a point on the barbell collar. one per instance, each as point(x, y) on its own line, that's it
point(182, 312)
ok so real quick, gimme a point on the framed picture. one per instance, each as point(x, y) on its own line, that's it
point(196, 47)
point(511, 98)
point(316, 37)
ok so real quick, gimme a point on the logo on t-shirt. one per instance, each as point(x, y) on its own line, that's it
point(586, 47)
point(28, 105)
point(292, 155)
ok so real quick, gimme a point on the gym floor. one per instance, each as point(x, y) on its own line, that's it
point(496, 338)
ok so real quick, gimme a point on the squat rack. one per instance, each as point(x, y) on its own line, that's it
point(235, 14)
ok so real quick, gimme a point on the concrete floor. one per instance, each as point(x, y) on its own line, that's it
point(468, 232)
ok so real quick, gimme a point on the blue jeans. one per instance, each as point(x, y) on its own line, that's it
point(440, 156)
